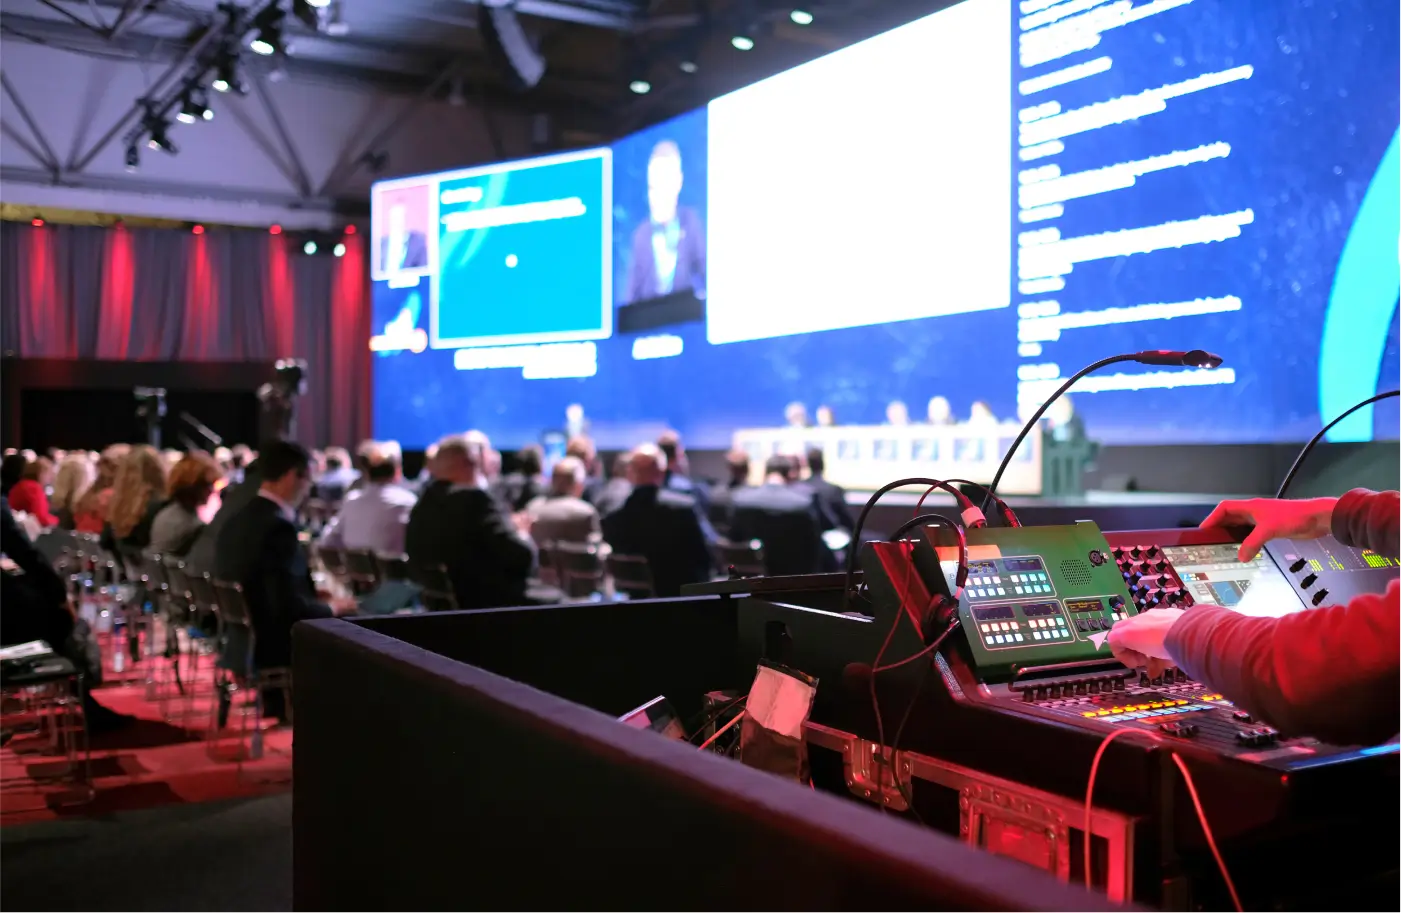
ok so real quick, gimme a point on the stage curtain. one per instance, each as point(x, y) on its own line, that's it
point(171, 295)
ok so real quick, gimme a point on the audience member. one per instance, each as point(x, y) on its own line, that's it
point(831, 499)
point(74, 477)
point(459, 526)
point(177, 525)
point(233, 497)
point(257, 548)
point(137, 494)
point(11, 471)
point(29, 495)
point(785, 519)
point(375, 516)
point(616, 490)
point(721, 499)
point(34, 606)
point(678, 472)
point(526, 484)
point(563, 515)
point(333, 484)
point(581, 447)
point(90, 515)
point(660, 524)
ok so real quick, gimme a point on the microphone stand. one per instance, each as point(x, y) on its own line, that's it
point(1193, 359)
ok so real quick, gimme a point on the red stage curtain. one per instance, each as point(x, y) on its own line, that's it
point(168, 295)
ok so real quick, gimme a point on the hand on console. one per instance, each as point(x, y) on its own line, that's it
point(1140, 641)
point(1274, 519)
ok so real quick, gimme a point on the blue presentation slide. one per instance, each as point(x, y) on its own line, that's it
point(888, 225)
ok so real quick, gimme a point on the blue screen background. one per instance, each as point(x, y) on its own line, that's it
point(1308, 132)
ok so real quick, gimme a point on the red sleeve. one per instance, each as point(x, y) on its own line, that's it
point(1331, 673)
point(1368, 519)
point(28, 496)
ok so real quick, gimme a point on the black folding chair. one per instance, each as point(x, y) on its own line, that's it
point(632, 576)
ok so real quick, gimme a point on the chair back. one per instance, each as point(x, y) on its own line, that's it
point(578, 568)
point(153, 577)
point(233, 607)
point(742, 559)
point(202, 587)
point(237, 638)
point(332, 559)
point(631, 575)
point(437, 592)
point(361, 569)
point(393, 567)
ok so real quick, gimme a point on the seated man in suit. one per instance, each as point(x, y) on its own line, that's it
point(458, 525)
point(831, 499)
point(722, 499)
point(785, 518)
point(258, 549)
point(614, 493)
point(563, 515)
point(660, 525)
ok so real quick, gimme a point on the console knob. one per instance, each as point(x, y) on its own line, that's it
point(1118, 553)
point(1028, 695)
point(1116, 602)
point(1163, 580)
point(1160, 566)
point(1308, 581)
point(1143, 679)
point(1136, 552)
point(1318, 597)
point(1298, 566)
point(1152, 550)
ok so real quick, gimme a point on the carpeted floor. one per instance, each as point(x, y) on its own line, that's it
point(228, 855)
point(170, 825)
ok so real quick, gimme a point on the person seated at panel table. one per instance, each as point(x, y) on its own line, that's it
point(785, 516)
point(795, 415)
point(825, 418)
point(562, 514)
point(939, 412)
point(458, 524)
point(980, 415)
point(659, 524)
point(1333, 673)
point(897, 414)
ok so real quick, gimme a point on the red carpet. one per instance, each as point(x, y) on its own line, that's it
point(152, 762)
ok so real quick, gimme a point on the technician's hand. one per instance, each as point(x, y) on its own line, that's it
point(1274, 519)
point(1140, 641)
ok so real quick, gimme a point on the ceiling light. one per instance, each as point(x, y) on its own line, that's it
point(742, 43)
point(640, 86)
point(133, 158)
point(688, 66)
point(158, 128)
point(268, 40)
point(801, 17)
point(194, 106)
point(309, 248)
point(226, 75)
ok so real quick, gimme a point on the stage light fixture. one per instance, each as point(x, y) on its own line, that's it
point(133, 158)
point(688, 66)
point(226, 74)
point(338, 250)
point(275, 229)
point(268, 40)
point(309, 248)
point(801, 17)
point(194, 106)
point(350, 229)
point(196, 229)
point(640, 86)
point(37, 223)
point(742, 43)
point(159, 138)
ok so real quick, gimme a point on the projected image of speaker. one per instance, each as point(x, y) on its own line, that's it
point(507, 42)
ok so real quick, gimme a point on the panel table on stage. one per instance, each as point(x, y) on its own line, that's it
point(865, 457)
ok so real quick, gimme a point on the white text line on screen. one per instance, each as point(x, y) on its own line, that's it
point(518, 214)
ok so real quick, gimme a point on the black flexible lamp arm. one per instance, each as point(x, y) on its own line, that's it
point(1196, 358)
point(1299, 460)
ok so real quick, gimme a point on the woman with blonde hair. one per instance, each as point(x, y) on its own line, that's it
point(138, 492)
point(75, 476)
point(90, 514)
point(178, 523)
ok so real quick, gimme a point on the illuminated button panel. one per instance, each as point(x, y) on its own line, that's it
point(1022, 625)
point(1007, 578)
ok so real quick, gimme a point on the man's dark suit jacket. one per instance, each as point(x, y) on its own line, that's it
point(611, 496)
point(466, 530)
point(722, 507)
point(258, 549)
point(664, 527)
point(200, 557)
point(690, 259)
point(415, 252)
point(786, 520)
point(831, 501)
